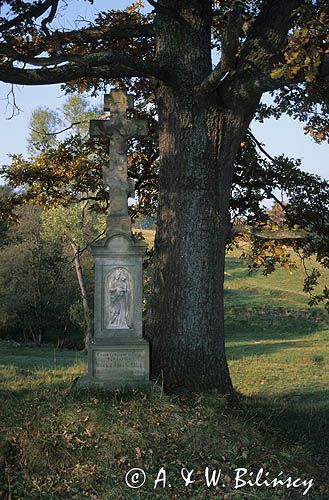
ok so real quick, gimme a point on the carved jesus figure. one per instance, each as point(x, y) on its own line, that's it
point(119, 289)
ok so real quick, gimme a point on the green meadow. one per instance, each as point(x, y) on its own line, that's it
point(276, 343)
point(57, 443)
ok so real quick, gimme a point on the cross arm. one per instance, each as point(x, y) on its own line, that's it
point(131, 128)
point(138, 127)
point(100, 128)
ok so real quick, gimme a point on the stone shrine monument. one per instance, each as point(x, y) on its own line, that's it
point(118, 355)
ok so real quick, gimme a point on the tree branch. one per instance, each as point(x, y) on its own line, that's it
point(86, 35)
point(213, 80)
point(13, 55)
point(230, 38)
point(269, 234)
point(33, 11)
point(266, 190)
point(102, 64)
point(267, 38)
point(93, 241)
point(50, 18)
point(259, 145)
point(15, 109)
point(83, 36)
point(262, 49)
point(50, 134)
point(97, 58)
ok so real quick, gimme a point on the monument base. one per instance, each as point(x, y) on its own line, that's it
point(113, 365)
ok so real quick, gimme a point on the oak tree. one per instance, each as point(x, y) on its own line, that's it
point(204, 111)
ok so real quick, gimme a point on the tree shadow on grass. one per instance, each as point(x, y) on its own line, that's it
point(264, 322)
point(264, 348)
point(301, 417)
point(39, 358)
point(52, 413)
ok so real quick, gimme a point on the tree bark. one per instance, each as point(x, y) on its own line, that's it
point(199, 138)
point(203, 116)
point(83, 295)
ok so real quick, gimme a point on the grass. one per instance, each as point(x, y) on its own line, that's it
point(277, 345)
point(59, 444)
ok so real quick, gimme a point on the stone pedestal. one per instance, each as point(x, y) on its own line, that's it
point(118, 355)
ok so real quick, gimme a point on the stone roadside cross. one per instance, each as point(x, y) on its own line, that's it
point(118, 129)
point(118, 355)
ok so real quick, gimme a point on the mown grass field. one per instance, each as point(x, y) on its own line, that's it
point(59, 444)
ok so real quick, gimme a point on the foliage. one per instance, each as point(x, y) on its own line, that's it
point(72, 171)
point(57, 443)
point(36, 283)
point(5, 194)
point(46, 124)
point(304, 55)
point(72, 224)
point(43, 124)
point(277, 46)
point(304, 204)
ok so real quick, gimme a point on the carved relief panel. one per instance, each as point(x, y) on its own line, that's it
point(118, 296)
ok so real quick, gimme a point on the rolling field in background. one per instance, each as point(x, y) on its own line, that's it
point(58, 444)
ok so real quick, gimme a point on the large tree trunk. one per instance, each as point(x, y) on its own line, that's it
point(199, 140)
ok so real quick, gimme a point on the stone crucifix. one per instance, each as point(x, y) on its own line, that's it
point(118, 129)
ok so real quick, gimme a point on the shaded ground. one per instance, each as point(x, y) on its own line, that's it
point(58, 444)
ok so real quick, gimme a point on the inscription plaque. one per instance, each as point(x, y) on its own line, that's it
point(119, 362)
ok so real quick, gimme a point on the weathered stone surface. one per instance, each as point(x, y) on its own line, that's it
point(118, 355)
point(118, 129)
point(117, 365)
point(118, 251)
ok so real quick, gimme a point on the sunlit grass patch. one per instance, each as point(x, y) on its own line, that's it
point(56, 443)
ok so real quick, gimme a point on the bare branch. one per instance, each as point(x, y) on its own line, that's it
point(99, 65)
point(269, 234)
point(49, 18)
point(267, 191)
point(59, 131)
point(15, 109)
point(259, 145)
point(86, 35)
point(91, 242)
point(30, 12)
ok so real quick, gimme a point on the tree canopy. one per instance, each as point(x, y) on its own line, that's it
point(212, 170)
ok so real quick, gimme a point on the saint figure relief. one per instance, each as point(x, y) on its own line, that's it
point(119, 303)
